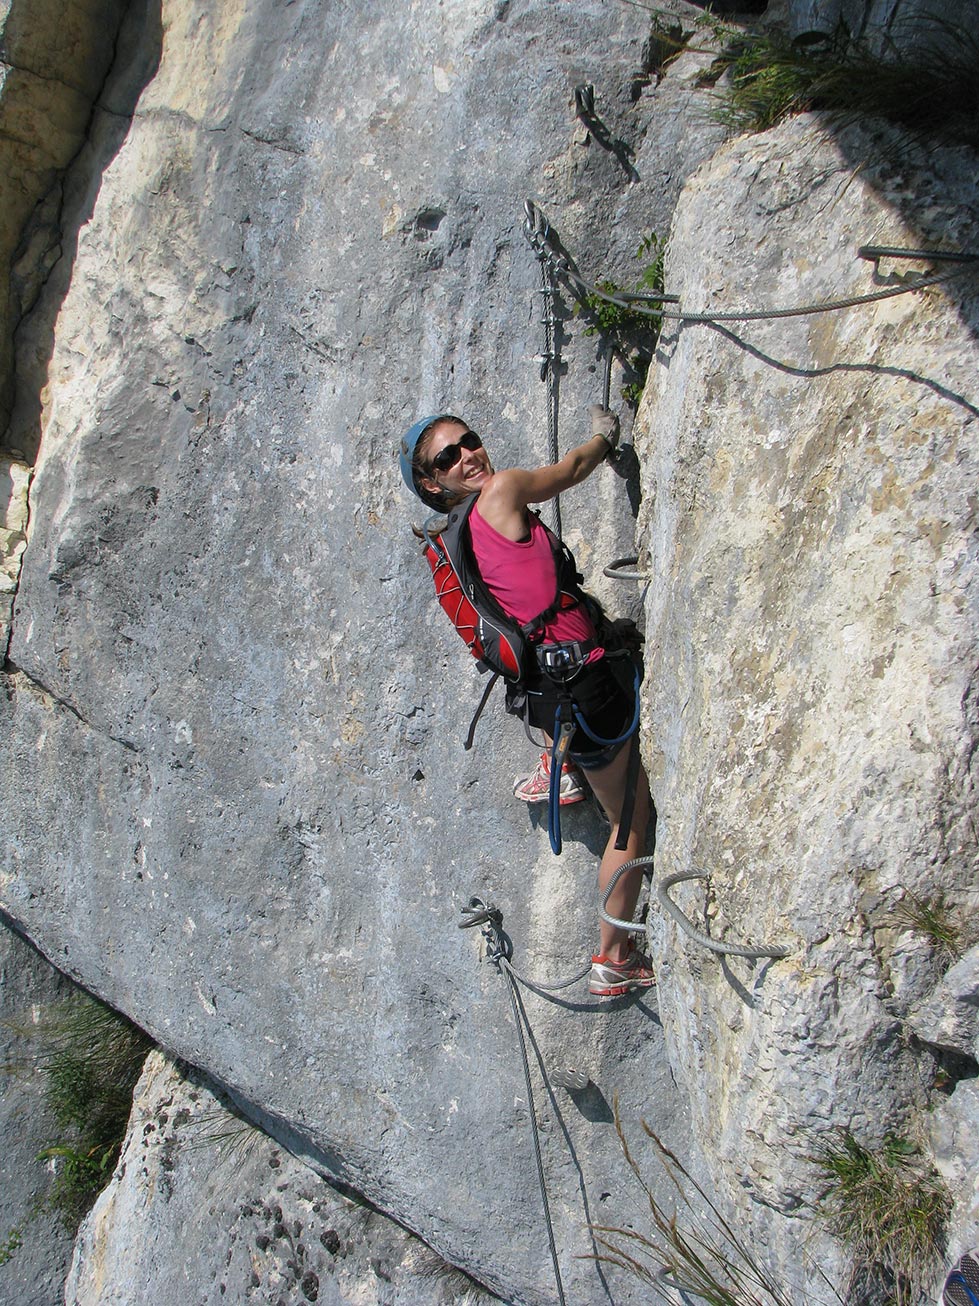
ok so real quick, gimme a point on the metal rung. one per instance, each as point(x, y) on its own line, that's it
point(874, 252)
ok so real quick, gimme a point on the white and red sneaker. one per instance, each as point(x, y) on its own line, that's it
point(536, 787)
point(610, 978)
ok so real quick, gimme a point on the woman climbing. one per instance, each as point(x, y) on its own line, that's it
point(444, 462)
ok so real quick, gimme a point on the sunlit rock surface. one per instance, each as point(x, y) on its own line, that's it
point(809, 523)
point(202, 1207)
point(236, 802)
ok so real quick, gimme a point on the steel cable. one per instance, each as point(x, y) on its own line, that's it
point(500, 949)
point(544, 247)
point(661, 891)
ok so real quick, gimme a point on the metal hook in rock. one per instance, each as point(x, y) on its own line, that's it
point(584, 102)
point(480, 913)
point(536, 226)
point(615, 571)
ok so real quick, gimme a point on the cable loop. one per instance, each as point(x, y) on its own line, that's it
point(615, 571)
point(705, 941)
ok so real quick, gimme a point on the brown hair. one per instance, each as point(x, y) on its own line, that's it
point(437, 499)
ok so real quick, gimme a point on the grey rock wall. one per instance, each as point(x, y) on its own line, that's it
point(53, 63)
point(890, 23)
point(250, 822)
point(247, 819)
point(203, 1207)
point(809, 522)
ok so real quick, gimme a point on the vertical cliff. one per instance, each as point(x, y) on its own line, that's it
point(236, 802)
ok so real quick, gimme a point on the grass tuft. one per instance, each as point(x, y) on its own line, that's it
point(634, 335)
point(936, 920)
point(930, 88)
point(889, 1207)
point(91, 1058)
point(702, 1256)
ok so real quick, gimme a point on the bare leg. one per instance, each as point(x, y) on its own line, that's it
point(608, 785)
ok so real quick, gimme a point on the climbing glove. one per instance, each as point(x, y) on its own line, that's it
point(605, 424)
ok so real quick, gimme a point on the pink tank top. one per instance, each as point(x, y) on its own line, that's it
point(522, 577)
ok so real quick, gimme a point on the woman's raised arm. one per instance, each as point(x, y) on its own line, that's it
point(506, 496)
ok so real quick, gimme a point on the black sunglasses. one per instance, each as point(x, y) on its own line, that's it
point(447, 458)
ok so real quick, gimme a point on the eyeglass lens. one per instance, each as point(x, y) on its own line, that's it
point(447, 457)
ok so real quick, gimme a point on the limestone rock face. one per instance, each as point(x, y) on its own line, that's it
point(809, 524)
point(14, 482)
point(203, 1207)
point(250, 823)
point(247, 819)
point(53, 62)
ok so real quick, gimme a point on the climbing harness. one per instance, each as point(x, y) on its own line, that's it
point(661, 890)
point(499, 643)
point(561, 674)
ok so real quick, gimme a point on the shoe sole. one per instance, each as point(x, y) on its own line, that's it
point(562, 802)
point(616, 990)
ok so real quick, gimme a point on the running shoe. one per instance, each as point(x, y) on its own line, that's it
point(610, 978)
point(536, 787)
point(962, 1285)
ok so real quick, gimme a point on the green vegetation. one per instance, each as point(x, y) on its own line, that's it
point(928, 83)
point(888, 1207)
point(90, 1058)
point(613, 315)
point(227, 1131)
point(937, 921)
point(13, 1240)
point(930, 89)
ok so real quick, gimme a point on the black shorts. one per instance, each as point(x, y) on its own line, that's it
point(594, 695)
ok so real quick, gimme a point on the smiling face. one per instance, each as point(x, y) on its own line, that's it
point(469, 471)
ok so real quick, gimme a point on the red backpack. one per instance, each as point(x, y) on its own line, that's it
point(497, 641)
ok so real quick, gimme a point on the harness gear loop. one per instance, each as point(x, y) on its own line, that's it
point(468, 742)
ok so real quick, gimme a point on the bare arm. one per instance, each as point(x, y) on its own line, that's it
point(504, 499)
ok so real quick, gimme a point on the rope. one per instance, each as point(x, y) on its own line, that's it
point(500, 948)
point(562, 267)
point(705, 941)
point(519, 1015)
